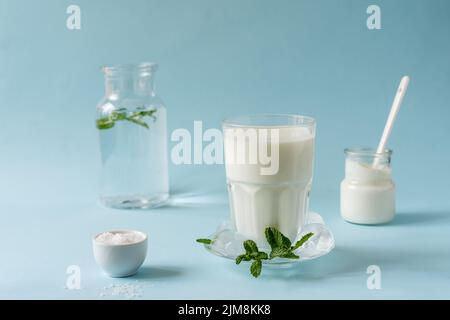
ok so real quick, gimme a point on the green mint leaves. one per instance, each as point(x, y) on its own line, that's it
point(302, 241)
point(122, 114)
point(252, 253)
point(255, 268)
point(204, 241)
point(280, 244)
point(281, 247)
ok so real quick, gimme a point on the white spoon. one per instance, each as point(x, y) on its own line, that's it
point(401, 91)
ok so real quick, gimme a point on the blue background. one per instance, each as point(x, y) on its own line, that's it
point(218, 59)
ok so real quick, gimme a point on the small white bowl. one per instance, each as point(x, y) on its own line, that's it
point(120, 260)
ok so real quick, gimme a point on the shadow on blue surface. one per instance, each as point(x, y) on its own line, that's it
point(350, 262)
point(185, 199)
point(156, 273)
point(417, 218)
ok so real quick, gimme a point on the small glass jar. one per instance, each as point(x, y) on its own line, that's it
point(131, 120)
point(367, 192)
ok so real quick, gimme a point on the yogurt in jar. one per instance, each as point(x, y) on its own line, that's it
point(367, 192)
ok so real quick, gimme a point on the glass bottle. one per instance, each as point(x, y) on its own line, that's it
point(131, 120)
point(367, 192)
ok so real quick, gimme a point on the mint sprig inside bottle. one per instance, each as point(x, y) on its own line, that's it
point(137, 117)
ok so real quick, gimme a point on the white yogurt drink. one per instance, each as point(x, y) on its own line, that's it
point(274, 189)
point(367, 192)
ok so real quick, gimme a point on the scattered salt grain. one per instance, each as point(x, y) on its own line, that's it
point(118, 238)
point(126, 290)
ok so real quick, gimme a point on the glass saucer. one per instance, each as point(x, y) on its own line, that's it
point(227, 243)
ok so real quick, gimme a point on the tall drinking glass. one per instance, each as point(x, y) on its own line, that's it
point(269, 168)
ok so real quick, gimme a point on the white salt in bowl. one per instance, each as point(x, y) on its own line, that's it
point(120, 253)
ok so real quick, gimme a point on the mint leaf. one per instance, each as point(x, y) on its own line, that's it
point(138, 120)
point(270, 237)
point(148, 113)
point(243, 257)
point(279, 252)
point(104, 123)
point(281, 245)
point(255, 268)
point(204, 241)
point(290, 255)
point(262, 256)
point(300, 242)
point(121, 114)
point(250, 247)
point(276, 239)
point(252, 253)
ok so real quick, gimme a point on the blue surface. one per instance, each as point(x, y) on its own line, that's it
point(217, 59)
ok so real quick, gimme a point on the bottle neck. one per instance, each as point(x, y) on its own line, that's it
point(129, 85)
